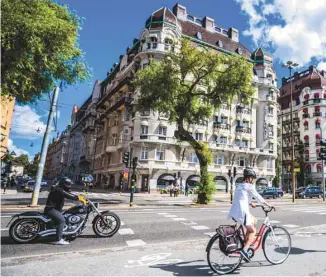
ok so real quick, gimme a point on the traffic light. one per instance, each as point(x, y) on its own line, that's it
point(126, 158)
point(322, 153)
point(179, 174)
point(134, 162)
point(234, 171)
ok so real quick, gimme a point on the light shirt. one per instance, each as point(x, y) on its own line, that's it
point(241, 201)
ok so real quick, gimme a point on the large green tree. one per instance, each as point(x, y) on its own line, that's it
point(31, 168)
point(39, 47)
point(190, 84)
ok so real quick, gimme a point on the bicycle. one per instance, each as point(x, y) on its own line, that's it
point(267, 233)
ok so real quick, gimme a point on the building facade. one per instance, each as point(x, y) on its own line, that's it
point(7, 109)
point(239, 135)
point(309, 115)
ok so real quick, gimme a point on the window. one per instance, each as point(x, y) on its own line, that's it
point(160, 154)
point(244, 143)
point(116, 121)
point(269, 163)
point(224, 119)
point(223, 140)
point(270, 110)
point(144, 130)
point(238, 123)
point(199, 136)
point(245, 123)
point(162, 131)
point(308, 169)
point(144, 153)
point(242, 162)
point(193, 158)
point(152, 43)
point(319, 169)
point(306, 127)
point(168, 44)
point(270, 145)
point(317, 124)
point(237, 142)
point(145, 113)
point(219, 160)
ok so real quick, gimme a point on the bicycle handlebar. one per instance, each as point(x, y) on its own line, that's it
point(266, 209)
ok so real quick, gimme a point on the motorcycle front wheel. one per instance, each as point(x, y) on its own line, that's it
point(106, 225)
point(24, 230)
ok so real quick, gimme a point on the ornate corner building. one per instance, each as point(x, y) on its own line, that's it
point(309, 108)
point(239, 135)
point(7, 109)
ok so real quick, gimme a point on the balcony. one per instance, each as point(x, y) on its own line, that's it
point(314, 101)
point(305, 115)
point(220, 125)
point(242, 129)
point(296, 119)
point(243, 110)
point(317, 113)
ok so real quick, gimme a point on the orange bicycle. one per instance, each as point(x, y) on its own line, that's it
point(223, 250)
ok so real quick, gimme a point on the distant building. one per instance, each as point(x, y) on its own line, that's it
point(7, 108)
point(309, 114)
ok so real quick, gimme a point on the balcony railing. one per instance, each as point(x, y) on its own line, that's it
point(305, 115)
point(242, 129)
point(317, 113)
point(243, 110)
point(220, 125)
point(314, 101)
point(296, 119)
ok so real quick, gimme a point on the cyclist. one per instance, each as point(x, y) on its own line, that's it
point(240, 208)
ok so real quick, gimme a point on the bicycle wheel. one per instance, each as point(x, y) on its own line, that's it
point(218, 261)
point(276, 244)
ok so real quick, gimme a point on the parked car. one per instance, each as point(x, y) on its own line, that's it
point(311, 192)
point(298, 191)
point(280, 192)
point(30, 185)
point(270, 193)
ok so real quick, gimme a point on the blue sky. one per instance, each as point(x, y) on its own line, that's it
point(289, 29)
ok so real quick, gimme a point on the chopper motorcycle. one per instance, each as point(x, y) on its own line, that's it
point(28, 226)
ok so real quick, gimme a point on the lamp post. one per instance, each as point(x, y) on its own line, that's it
point(290, 65)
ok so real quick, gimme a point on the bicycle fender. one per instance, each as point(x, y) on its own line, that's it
point(211, 241)
point(97, 216)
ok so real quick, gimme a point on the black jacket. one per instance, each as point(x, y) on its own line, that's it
point(56, 198)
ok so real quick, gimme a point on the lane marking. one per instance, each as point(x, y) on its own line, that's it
point(274, 221)
point(179, 219)
point(126, 231)
point(5, 229)
point(210, 234)
point(322, 213)
point(170, 215)
point(290, 225)
point(189, 223)
point(200, 227)
point(135, 242)
point(162, 213)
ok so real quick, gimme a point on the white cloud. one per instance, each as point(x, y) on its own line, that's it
point(26, 123)
point(322, 66)
point(18, 151)
point(298, 32)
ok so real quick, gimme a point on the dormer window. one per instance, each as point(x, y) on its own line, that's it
point(218, 29)
point(225, 32)
point(190, 17)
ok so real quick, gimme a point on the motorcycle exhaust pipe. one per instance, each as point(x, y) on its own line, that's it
point(48, 232)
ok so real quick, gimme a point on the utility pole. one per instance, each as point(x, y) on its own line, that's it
point(323, 144)
point(44, 150)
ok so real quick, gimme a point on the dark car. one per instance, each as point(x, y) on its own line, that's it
point(280, 192)
point(270, 193)
point(30, 185)
point(298, 191)
point(311, 192)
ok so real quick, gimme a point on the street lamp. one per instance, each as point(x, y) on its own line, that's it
point(290, 65)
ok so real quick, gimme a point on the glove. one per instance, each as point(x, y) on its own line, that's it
point(82, 199)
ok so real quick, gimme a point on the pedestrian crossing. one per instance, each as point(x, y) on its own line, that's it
point(309, 209)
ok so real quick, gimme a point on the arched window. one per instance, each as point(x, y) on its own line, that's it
point(317, 125)
point(152, 43)
point(168, 44)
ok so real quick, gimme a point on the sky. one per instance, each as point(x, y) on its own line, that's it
point(291, 30)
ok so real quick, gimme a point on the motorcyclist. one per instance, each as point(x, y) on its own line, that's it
point(55, 203)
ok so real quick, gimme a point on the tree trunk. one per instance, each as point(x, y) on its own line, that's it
point(204, 192)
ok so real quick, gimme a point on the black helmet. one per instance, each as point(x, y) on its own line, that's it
point(249, 172)
point(65, 183)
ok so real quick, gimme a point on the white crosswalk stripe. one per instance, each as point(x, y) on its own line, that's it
point(310, 209)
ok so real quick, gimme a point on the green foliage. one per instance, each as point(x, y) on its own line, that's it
point(190, 84)
point(206, 188)
point(39, 48)
point(31, 168)
point(278, 175)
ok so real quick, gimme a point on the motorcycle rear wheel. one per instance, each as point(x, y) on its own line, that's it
point(109, 227)
point(24, 230)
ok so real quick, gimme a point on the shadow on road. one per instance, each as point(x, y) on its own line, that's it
point(191, 268)
point(299, 251)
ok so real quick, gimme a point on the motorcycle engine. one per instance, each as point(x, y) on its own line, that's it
point(73, 221)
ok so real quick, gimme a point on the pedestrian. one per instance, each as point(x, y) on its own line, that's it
point(12, 181)
point(5, 184)
point(186, 189)
point(171, 189)
point(176, 190)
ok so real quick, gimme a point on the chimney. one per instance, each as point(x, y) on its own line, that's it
point(234, 34)
point(209, 24)
point(180, 12)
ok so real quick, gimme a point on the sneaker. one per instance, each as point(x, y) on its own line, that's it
point(61, 242)
point(245, 255)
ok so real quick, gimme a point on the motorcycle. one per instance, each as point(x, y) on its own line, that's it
point(28, 226)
